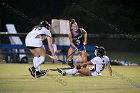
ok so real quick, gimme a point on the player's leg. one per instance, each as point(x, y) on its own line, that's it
point(67, 72)
point(35, 60)
point(70, 57)
point(42, 52)
point(36, 56)
point(39, 58)
point(84, 71)
point(83, 54)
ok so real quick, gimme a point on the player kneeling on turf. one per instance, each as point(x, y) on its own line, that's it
point(99, 62)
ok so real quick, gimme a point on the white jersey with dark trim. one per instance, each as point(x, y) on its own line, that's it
point(39, 31)
point(100, 63)
point(32, 41)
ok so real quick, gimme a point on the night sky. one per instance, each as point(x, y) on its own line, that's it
point(36, 8)
point(53, 9)
point(42, 9)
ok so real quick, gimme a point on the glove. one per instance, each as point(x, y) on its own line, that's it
point(78, 67)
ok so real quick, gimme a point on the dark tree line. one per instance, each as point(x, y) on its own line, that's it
point(96, 16)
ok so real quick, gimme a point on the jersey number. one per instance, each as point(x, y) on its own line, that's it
point(103, 66)
point(77, 42)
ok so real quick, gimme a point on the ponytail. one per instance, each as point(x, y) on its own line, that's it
point(72, 22)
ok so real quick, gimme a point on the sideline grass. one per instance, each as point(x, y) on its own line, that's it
point(15, 78)
point(125, 56)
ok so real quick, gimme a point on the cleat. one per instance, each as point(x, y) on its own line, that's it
point(61, 71)
point(40, 73)
point(43, 71)
point(32, 71)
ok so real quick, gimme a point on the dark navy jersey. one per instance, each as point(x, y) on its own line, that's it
point(78, 39)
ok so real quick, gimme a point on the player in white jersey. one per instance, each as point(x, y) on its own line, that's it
point(34, 43)
point(99, 62)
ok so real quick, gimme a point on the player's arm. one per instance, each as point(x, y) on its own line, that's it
point(109, 68)
point(51, 47)
point(71, 41)
point(85, 35)
point(84, 64)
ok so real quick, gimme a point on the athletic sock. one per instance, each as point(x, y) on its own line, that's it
point(71, 71)
point(41, 59)
point(35, 62)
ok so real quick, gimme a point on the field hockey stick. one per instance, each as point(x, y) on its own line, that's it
point(62, 60)
point(55, 69)
point(56, 59)
point(73, 52)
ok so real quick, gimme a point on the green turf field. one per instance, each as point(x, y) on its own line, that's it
point(15, 78)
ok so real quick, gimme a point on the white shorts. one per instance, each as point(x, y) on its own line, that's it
point(33, 42)
point(94, 73)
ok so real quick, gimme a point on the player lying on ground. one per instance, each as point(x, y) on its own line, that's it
point(34, 43)
point(99, 62)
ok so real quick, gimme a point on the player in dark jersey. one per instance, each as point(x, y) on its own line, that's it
point(78, 40)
